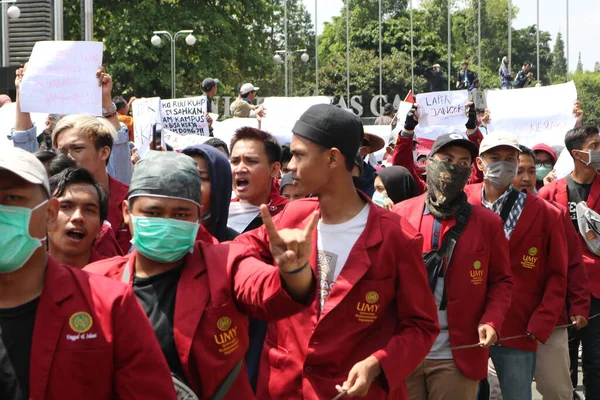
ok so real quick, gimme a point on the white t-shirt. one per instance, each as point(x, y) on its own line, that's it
point(333, 248)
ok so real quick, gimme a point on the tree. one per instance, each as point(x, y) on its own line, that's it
point(588, 87)
point(558, 72)
point(597, 67)
point(579, 64)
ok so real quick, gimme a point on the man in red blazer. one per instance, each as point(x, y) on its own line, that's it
point(552, 376)
point(473, 290)
point(583, 184)
point(64, 334)
point(374, 317)
point(197, 295)
point(538, 257)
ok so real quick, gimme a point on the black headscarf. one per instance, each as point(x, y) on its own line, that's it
point(399, 183)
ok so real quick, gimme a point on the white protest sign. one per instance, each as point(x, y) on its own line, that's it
point(441, 113)
point(283, 112)
point(564, 165)
point(399, 118)
point(180, 142)
point(7, 122)
point(61, 78)
point(534, 115)
point(146, 113)
point(185, 116)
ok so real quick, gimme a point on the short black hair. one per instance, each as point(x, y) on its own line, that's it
point(286, 153)
point(272, 147)
point(245, 95)
point(119, 102)
point(527, 151)
point(575, 138)
point(55, 160)
point(216, 142)
point(526, 63)
point(78, 176)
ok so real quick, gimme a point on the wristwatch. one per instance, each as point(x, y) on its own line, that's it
point(107, 111)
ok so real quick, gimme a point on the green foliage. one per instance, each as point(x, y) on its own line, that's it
point(597, 67)
point(579, 64)
point(588, 87)
point(558, 72)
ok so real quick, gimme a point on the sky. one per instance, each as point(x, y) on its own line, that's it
point(584, 17)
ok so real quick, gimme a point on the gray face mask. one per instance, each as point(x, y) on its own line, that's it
point(593, 157)
point(501, 173)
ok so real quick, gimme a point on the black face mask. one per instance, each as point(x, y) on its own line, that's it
point(445, 187)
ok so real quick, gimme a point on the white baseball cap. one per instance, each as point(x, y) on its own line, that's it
point(497, 139)
point(247, 88)
point(25, 165)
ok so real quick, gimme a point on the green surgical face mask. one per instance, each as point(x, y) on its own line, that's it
point(163, 240)
point(541, 170)
point(16, 244)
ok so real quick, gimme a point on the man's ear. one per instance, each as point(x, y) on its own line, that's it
point(51, 213)
point(480, 164)
point(275, 170)
point(335, 158)
point(104, 153)
point(126, 213)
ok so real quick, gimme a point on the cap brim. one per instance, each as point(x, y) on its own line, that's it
point(465, 143)
point(501, 145)
point(375, 142)
point(26, 176)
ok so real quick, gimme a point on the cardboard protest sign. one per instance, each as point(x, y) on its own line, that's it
point(146, 113)
point(185, 116)
point(534, 115)
point(283, 112)
point(61, 78)
point(7, 122)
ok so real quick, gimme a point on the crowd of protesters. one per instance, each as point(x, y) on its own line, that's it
point(255, 269)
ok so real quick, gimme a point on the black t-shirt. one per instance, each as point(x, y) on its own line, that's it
point(582, 192)
point(16, 335)
point(157, 297)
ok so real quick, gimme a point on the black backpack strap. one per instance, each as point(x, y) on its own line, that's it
point(224, 387)
point(572, 189)
point(508, 204)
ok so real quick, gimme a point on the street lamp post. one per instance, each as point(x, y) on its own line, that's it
point(156, 41)
point(8, 12)
point(280, 60)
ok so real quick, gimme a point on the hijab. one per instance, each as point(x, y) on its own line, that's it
point(399, 183)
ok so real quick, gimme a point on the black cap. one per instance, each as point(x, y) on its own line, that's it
point(209, 83)
point(331, 126)
point(388, 108)
point(454, 139)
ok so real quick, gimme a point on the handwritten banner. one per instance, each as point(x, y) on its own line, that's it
point(146, 113)
point(534, 115)
point(61, 78)
point(185, 116)
point(441, 113)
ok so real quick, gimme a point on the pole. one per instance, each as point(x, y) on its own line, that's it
point(380, 59)
point(567, 40)
point(285, 33)
point(412, 54)
point(89, 20)
point(348, 52)
point(58, 19)
point(509, 35)
point(449, 48)
point(479, 41)
point(291, 75)
point(5, 41)
point(316, 51)
point(537, 41)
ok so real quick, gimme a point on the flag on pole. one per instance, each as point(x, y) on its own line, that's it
point(409, 97)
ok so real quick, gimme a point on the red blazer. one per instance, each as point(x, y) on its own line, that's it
point(403, 157)
point(276, 201)
point(106, 244)
point(118, 193)
point(538, 257)
point(218, 285)
point(478, 280)
point(113, 356)
point(557, 191)
point(578, 291)
point(380, 305)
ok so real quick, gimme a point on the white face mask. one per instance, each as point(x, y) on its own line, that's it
point(593, 158)
point(501, 173)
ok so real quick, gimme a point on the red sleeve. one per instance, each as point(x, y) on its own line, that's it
point(403, 157)
point(578, 292)
point(417, 313)
point(544, 318)
point(259, 293)
point(499, 291)
point(547, 193)
point(141, 371)
point(258, 241)
point(476, 173)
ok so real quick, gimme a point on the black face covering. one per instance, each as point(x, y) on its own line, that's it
point(445, 187)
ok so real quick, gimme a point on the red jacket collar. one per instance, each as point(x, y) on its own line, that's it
point(276, 201)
